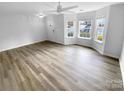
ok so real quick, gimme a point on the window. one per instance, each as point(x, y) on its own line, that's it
point(100, 24)
point(85, 29)
point(70, 29)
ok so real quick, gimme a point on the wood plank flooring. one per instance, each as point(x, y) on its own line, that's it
point(50, 66)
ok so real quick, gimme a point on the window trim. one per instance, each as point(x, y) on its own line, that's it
point(74, 24)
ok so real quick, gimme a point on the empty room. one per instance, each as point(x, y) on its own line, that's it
point(61, 46)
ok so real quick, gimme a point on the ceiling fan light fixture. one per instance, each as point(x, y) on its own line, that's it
point(40, 15)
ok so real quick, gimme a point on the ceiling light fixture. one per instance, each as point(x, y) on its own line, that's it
point(40, 15)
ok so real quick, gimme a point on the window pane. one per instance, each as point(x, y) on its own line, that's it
point(100, 24)
point(85, 29)
point(70, 29)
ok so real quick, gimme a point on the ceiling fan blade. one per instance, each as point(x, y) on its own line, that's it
point(68, 8)
point(50, 11)
point(68, 12)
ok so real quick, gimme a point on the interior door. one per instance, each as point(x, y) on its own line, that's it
point(56, 28)
point(51, 33)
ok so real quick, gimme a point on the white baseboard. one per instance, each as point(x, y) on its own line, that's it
point(56, 42)
point(122, 71)
point(5, 49)
point(110, 55)
point(98, 50)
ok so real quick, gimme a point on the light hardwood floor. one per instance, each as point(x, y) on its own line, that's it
point(51, 66)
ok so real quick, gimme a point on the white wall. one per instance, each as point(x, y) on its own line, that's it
point(84, 16)
point(17, 30)
point(113, 45)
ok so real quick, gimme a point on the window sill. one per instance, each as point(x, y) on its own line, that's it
point(84, 38)
point(70, 37)
point(101, 42)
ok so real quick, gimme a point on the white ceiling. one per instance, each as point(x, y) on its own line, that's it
point(39, 7)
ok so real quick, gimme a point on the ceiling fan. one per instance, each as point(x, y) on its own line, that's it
point(60, 9)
